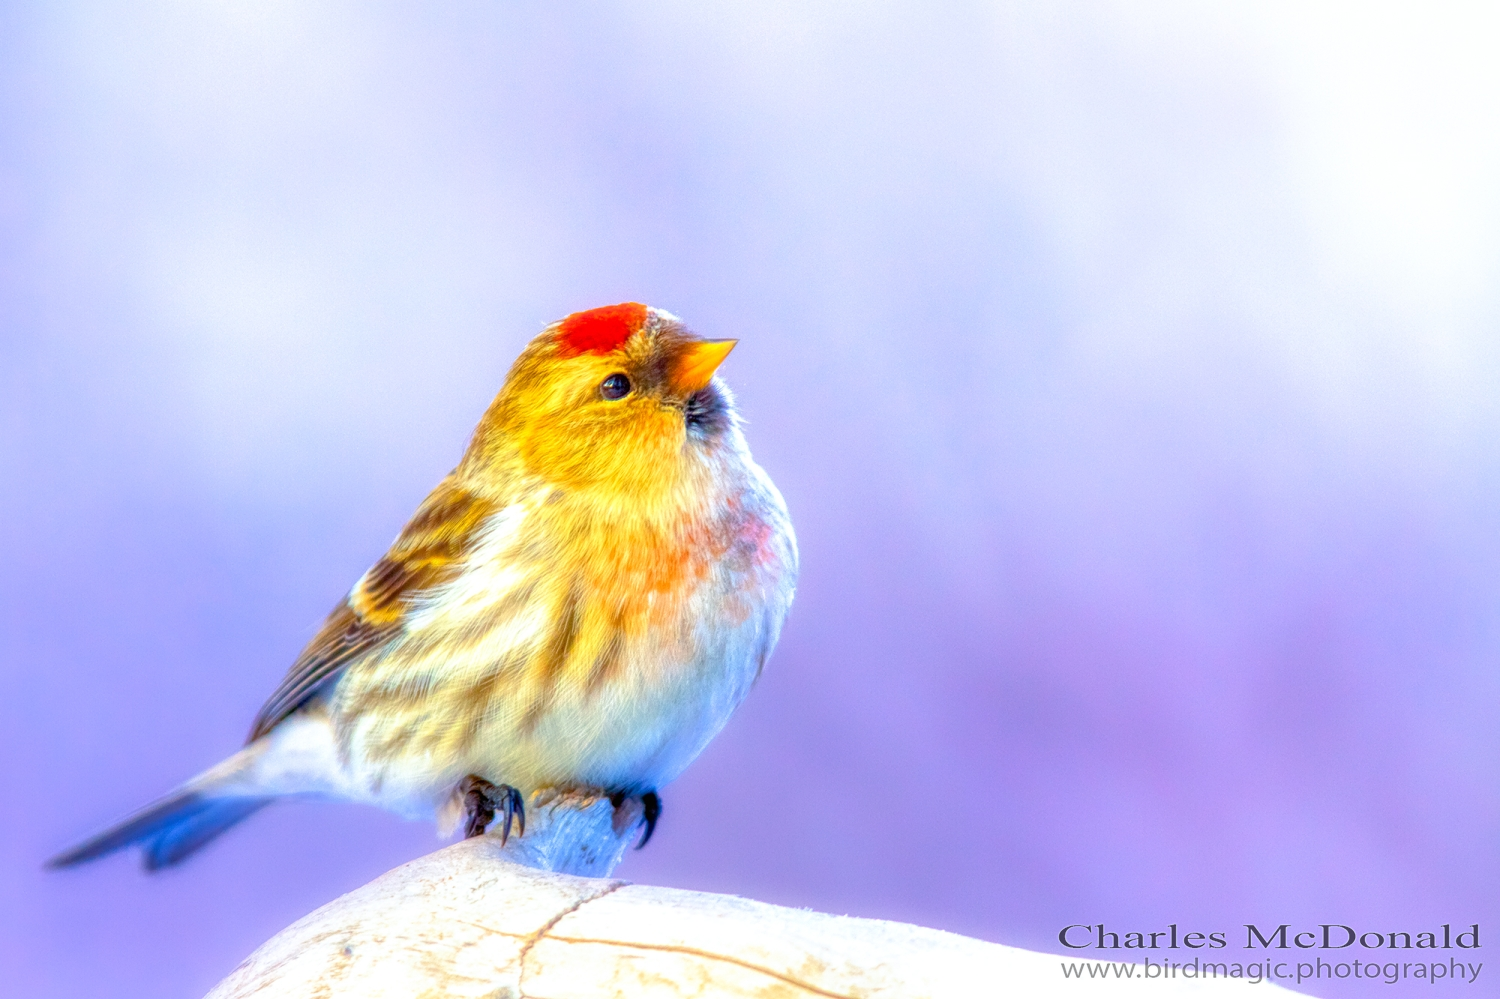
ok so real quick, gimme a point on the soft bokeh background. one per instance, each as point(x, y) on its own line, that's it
point(1130, 371)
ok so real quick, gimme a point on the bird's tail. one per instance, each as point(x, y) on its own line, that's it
point(173, 828)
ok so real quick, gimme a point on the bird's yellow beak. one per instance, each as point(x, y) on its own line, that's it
point(696, 364)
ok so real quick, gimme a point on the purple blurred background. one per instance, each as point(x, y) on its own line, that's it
point(1130, 372)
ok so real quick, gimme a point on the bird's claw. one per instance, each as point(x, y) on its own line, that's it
point(482, 799)
point(651, 801)
point(650, 809)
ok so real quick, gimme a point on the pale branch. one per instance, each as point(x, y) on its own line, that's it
point(539, 918)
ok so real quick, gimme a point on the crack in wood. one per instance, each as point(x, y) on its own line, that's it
point(709, 955)
point(534, 938)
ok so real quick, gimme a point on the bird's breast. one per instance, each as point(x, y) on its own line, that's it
point(574, 647)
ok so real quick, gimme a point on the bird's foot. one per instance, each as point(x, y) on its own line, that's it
point(650, 808)
point(483, 799)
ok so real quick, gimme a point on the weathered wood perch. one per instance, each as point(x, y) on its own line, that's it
point(539, 917)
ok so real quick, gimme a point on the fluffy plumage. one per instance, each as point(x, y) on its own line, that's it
point(583, 601)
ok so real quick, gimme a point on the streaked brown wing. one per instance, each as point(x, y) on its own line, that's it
point(343, 638)
point(427, 554)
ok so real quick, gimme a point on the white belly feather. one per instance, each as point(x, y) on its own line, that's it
point(634, 733)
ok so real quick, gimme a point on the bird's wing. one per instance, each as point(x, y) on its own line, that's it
point(427, 554)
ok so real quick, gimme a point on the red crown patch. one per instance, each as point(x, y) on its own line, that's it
point(601, 330)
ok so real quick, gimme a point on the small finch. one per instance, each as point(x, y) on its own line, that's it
point(581, 603)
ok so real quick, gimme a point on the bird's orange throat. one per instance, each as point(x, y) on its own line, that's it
point(640, 459)
point(644, 544)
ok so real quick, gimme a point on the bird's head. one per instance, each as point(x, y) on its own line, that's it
point(621, 398)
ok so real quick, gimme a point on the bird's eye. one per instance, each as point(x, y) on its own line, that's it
point(616, 386)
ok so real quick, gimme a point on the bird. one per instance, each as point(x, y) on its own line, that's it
point(581, 603)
